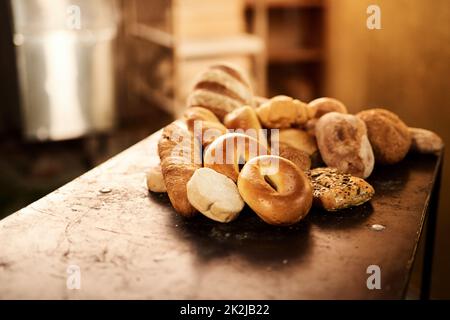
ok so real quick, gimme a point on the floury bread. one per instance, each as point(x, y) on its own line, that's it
point(180, 157)
point(221, 89)
point(344, 145)
point(214, 195)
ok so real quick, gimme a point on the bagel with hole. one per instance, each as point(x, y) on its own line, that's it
point(276, 189)
point(214, 195)
point(228, 153)
point(344, 145)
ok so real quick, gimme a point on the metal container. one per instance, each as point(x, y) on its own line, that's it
point(65, 57)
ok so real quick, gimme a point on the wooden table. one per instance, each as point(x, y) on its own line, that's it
point(131, 244)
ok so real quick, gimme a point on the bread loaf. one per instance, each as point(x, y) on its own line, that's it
point(343, 144)
point(388, 134)
point(221, 89)
point(425, 141)
point(180, 156)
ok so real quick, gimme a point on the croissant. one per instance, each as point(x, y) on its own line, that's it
point(180, 156)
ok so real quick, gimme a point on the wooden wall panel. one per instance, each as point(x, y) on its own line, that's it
point(404, 67)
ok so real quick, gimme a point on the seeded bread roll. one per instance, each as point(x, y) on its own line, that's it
point(388, 134)
point(333, 190)
point(343, 144)
point(425, 141)
point(221, 89)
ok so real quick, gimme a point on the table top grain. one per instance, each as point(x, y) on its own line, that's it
point(130, 244)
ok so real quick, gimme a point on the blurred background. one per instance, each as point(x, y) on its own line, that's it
point(81, 80)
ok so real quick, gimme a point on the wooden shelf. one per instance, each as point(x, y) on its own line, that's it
point(241, 44)
point(295, 55)
point(287, 3)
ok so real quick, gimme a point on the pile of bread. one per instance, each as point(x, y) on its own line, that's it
point(322, 157)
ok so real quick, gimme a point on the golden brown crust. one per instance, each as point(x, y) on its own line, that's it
point(205, 126)
point(300, 158)
point(321, 106)
point(333, 190)
point(425, 141)
point(388, 135)
point(299, 139)
point(343, 144)
point(180, 157)
point(221, 89)
point(244, 120)
point(228, 152)
point(276, 189)
point(282, 112)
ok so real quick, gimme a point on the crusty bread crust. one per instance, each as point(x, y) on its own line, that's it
point(180, 156)
point(230, 151)
point(282, 112)
point(285, 200)
point(425, 141)
point(204, 124)
point(333, 190)
point(300, 158)
point(388, 135)
point(221, 89)
point(343, 144)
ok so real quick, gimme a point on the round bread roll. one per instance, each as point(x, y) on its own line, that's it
point(298, 139)
point(276, 189)
point(155, 180)
point(214, 195)
point(388, 135)
point(282, 112)
point(319, 107)
point(231, 151)
point(425, 141)
point(245, 120)
point(300, 158)
point(204, 124)
point(344, 145)
point(221, 89)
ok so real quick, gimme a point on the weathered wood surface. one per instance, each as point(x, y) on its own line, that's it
point(130, 244)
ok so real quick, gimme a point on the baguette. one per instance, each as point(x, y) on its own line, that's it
point(180, 157)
